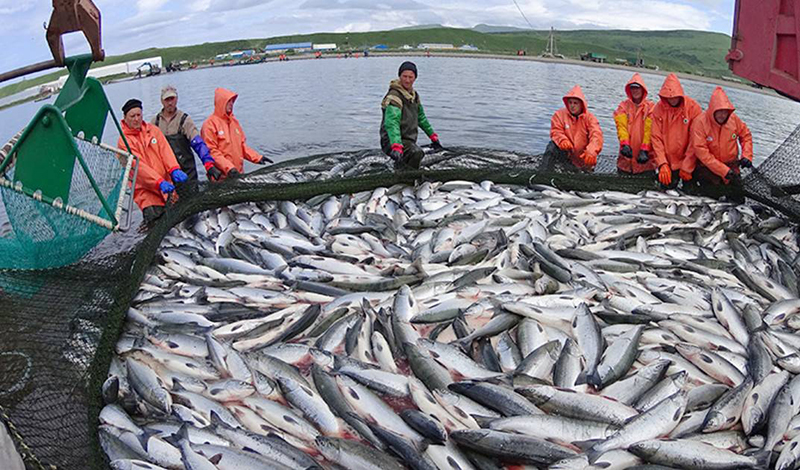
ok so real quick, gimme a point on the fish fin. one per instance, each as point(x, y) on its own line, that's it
point(582, 378)
point(215, 459)
point(216, 420)
point(177, 386)
point(763, 459)
point(586, 445)
point(593, 379)
point(177, 437)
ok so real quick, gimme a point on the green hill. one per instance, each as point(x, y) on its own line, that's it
point(693, 52)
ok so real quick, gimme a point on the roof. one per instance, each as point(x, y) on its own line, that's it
point(295, 45)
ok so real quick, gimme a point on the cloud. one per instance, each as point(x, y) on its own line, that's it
point(134, 25)
point(365, 5)
point(11, 7)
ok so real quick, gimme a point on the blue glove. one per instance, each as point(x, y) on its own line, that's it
point(179, 176)
point(166, 187)
point(201, 149)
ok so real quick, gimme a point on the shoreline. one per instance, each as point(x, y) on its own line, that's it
point(467, 55)
point(497, 56)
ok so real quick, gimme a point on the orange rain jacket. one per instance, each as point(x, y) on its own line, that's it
point(671, 126)
point(717, 147)
point(224, 136)
point(156, 162)
point(583, 131)
point(634, 125)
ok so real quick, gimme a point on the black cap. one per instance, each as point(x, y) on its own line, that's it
point(407, 66)
point(130, 104)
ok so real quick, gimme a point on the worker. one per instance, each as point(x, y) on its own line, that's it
point(225, 137)
point(575, 133)
point(403, 115)
point(634, 125)
point(672, 120)
point(183, 137)
point(715, 139)
point(159, 171)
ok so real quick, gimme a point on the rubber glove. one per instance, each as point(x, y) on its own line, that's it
point(265, 160)
point(589, 159)
point(212, 172)
point(397, 152)
point(166, 187)
point(733, 178)
point(566, 145)
point(233, 173)
point(686, 176)
point(178, 176)
point(626, 151)
point(643, 157)
point(746, 163)
point(665, 174)
point(435, 144)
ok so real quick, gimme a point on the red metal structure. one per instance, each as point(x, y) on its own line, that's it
point(766, 44)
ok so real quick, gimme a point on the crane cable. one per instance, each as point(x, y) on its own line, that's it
point(523, 14)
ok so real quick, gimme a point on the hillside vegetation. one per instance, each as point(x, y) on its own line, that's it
point(693, 52)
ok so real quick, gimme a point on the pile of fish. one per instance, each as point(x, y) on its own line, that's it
point(459, 326)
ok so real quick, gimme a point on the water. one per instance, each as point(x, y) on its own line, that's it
point(300, 108)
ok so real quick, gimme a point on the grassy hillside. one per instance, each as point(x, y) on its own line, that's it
point(694, 52)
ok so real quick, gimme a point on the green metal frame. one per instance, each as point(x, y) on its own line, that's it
point(45, 154)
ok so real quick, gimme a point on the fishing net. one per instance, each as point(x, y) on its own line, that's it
point(41, 236)
point(60, 326)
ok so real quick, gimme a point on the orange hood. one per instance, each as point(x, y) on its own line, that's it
point(636, 79)
point(719, 101)
point(672, 88)
point(221, 98)
point(576, 92)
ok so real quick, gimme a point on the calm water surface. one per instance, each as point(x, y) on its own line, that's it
point(300, 108)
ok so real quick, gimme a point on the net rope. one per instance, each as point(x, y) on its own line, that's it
point(61, 325)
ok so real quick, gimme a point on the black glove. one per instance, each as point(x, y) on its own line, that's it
point(436, 145)
point(396, 155)
point(643, 157)
point(626, 151)
point(733, 177)
point(265, 160)
point(745, 163)
point(234, 173)
point(213, 174)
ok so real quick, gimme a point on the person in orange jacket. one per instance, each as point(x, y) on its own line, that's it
point(672, 121)
point(575, 132)
point(716, 137)
point(159, 171)
point(634, 125)
point(225, 138)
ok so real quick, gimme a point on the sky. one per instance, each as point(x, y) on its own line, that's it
point(131, 25)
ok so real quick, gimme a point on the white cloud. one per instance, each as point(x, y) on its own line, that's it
point(11, 7)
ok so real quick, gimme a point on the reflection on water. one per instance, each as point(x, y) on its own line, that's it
point(299, 108)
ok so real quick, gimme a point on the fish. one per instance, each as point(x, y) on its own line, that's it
point(462, 325)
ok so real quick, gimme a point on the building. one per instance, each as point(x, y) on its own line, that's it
point(281, 48)
point(380, 47)
point(324, 47)
point(406, 47)
point(435, 46)
point(236, 55)
point(593, 57)
point(468, 47)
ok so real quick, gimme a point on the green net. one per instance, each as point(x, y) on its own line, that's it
point(41, 236)
point(61, 325)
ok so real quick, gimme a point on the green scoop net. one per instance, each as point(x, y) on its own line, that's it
point(63, 190)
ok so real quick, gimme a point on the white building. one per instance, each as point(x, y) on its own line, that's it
point(435, 46)
point(468, 47)
point(324, 47)
point(406, 47)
